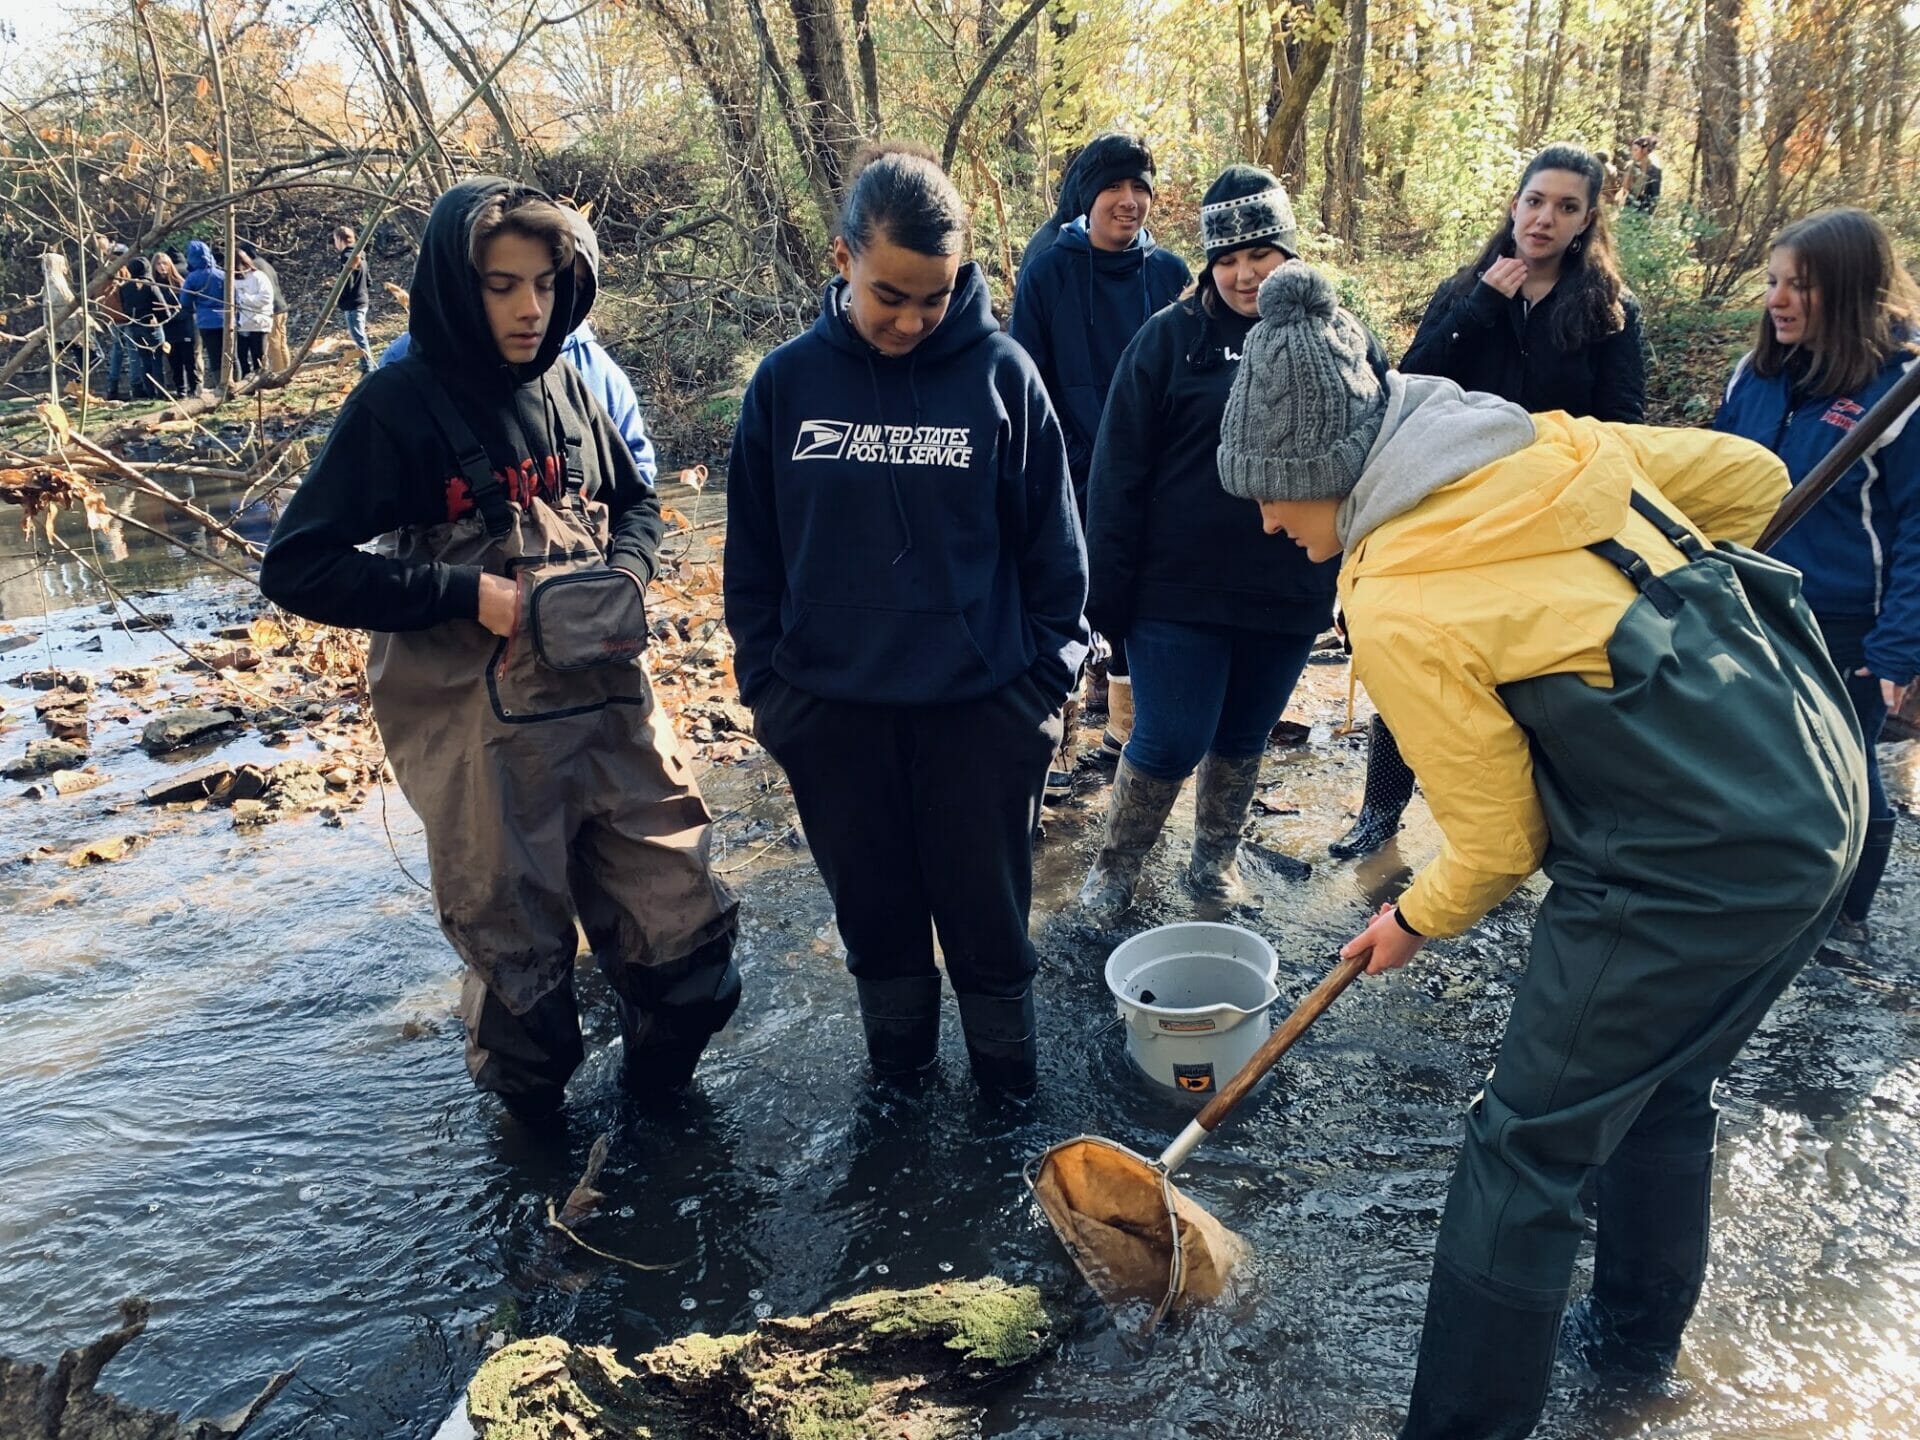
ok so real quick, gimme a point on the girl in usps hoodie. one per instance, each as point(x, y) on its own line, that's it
point(905, 577)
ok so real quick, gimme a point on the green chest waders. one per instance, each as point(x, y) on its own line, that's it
point(548, 782)
point(1704, 815)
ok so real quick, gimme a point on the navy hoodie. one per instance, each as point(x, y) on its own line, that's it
point(900, 530)
point(386, 465)
point(1074, 312)
point(1858, 549)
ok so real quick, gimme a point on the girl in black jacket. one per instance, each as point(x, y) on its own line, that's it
point(1217, 624)
point(1539, 317)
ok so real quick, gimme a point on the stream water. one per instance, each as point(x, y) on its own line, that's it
point(230, 1080)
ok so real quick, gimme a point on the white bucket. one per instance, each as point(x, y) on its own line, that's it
point(1194, 997)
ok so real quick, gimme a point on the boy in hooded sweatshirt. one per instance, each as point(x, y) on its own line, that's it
point(904, 583)
point(506, 665)
point(1078, 305)
point(1584, 675)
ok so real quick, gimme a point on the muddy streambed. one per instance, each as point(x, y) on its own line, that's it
point(230, 1080)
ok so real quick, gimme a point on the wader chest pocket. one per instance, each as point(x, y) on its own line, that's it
point(588, 618)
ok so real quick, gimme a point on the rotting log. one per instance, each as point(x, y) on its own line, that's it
point(60, 1403)
point(891, 1363)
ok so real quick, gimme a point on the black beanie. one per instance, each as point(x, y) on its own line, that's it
point(1246, 206)
point(1111, 158)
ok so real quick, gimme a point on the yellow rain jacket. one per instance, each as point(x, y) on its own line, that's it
point(1487, 581)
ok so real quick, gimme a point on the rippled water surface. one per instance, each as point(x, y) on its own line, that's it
point(230, 1080)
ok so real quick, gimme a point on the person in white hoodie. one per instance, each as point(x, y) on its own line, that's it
point(253, 313)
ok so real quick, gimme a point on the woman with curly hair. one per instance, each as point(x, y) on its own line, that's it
point(1540, 317)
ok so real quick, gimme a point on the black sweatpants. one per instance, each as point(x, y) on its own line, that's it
point(921, 818)
point(212, 342)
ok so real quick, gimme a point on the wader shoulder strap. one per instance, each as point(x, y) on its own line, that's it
point(489, 496)
point(1684, 540)
point(570, 442)
point(1664, 597)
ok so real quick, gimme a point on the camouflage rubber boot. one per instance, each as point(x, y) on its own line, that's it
point(1137, 813)
point(1221, 802)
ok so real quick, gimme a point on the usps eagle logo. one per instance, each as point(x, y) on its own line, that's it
point(821, 439)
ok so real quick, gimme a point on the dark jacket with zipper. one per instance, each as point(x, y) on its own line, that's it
point(1074, 312)
point(1858, 549)
point(353, 296)
point(386, 466)
point(1484, 340)
point(900, 530)
point(1164, 541)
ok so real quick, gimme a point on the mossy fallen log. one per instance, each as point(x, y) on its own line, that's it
point(38, 1403)
point(888, 1365)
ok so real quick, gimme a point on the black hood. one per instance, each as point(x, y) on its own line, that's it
point(446, 316)
point(968, 321)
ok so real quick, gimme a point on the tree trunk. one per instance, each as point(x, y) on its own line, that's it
point(869, 62)
point(832, 123)
point(1297, 69)
point(1636, 57)
point(1349, 168)
point(1720, 109)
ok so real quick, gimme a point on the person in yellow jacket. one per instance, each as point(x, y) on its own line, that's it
point(1588, 673)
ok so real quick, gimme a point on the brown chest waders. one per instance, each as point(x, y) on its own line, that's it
point(1704, 815)
point(551, 787)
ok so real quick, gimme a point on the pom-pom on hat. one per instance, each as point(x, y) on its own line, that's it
point(1246, 206)
point(1306, 405)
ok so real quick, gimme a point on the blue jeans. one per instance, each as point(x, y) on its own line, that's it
point(355, 322)
point(123, 357)
point(1206, 688)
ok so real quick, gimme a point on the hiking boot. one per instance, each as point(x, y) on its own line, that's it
point(1222, 798)
point(901, 1018)
point(1134, 819)
point(1119, 716)
point(1002, 1042)
point(1060, 774)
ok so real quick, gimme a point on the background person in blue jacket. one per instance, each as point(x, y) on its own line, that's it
point(206, 290)
point(1078, 304)
point(904, 584)
point(606, 381)
point(1839, 328)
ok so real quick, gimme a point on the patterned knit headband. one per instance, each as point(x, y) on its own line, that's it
point(1235, 224)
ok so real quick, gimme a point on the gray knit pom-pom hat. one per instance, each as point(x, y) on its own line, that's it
point(1306, 405)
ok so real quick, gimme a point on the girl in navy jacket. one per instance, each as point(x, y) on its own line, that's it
point(1837, 332)
point(904, 583)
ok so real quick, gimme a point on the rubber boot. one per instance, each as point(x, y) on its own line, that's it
point(1222, 798)
point(1866, 878)
point(1485, 1363)
point(1002, 1042)
point(667, 1028)
point(902, 1020)
point(1649, 1260)
point(1119, 716)
point(1134, 818)
point(1389, 788)
point(1060, 773)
